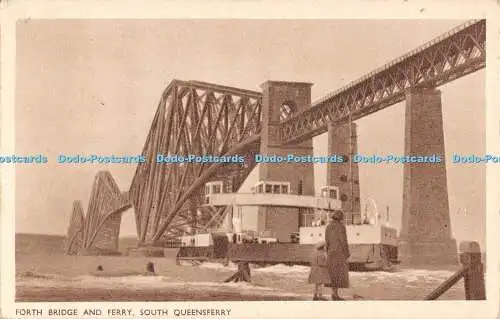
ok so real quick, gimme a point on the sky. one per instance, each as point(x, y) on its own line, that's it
point(93, 86)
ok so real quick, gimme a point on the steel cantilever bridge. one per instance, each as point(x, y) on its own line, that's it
point(200, 118)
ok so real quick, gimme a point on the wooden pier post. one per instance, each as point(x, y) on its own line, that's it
point(150, 267)
point(244, 269)
point(472, 272)
point(242, 274)
point(470, 258)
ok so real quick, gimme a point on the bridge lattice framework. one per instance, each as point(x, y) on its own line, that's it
point(197, 118)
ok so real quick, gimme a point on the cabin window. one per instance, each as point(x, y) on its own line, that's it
point(333, 193)
point(216, 189)
point(259, 188)
point(268, 188)
point(276, 189)
point(284, 189)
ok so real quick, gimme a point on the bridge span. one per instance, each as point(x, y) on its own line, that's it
point(450, 56)
point(207, 119)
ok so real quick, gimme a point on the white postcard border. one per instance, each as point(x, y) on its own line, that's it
point(14, 10)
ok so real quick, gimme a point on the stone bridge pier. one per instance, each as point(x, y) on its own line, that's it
point(342, 141)
point(280, 100)
point(425, 236)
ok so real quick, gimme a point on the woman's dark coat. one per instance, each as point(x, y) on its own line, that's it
point(337, 254)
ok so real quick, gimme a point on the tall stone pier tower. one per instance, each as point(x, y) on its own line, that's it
point(425, 236)
point(342, 141)
point(281, 100)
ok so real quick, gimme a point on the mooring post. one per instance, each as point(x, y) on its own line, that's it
point(242, 274)
point(470, 258)
point(150, 267)
point(244, 270)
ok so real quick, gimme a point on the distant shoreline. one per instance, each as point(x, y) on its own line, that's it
point(123, 239)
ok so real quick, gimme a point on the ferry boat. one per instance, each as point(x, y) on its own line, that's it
point(373, 245)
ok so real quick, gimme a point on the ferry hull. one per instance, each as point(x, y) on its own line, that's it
point(363, 256)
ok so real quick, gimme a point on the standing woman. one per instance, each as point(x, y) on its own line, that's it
point(338, 253)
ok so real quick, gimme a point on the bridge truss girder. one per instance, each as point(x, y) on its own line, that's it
point(193, 118)
point(446, 58)
point(206, 119)
point(106, 202)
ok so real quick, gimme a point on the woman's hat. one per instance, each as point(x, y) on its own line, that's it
point(319, 244)
point(338, 215)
